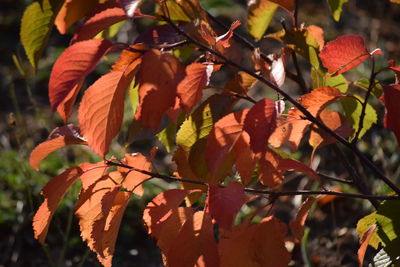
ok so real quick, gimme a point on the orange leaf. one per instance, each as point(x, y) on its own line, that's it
point(314, 102)
point(158, 85)
point(71, 12)
point(257, 245)
point(53, 192)
point(105, 229)
point(160, 208)
point(224, 203)
point(269, 173)
point(364, 243)
point(70, 69)
point(190, 89)
point(224, 39)
point(344, 53)
point(133, 179)
point(391, 98)
point(102, 108)
point(222, 139)
point(245, 159)
point(260, 122)
point(99, 22)
point(196, 240)
point(297, 226)
point(90, 209)
point(336, 122)
point(294, 165)
point(60, 137)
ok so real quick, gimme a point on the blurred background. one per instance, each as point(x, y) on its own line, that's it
point(26, 120)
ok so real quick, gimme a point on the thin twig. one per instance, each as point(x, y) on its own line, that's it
point(256, 191)
point(345, 181)
point(364, 106)
point(298, 105)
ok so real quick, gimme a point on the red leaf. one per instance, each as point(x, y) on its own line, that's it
point(343, 54)
point(196, 240)
point(160, 208)
point(102, 108)
point(294, 165)
point(364, 243)
point(391, 98)
point(257, 245)
point(260, 123)
point(70, 69)
point(59, 138)
point(53, 192)
point(269, 172)
point(158, 85)
point(190, 89)
point(297, 226)
point(225, 202)
point(133, 179)
point(222, 139)
point(98, 23)
point(71, 12)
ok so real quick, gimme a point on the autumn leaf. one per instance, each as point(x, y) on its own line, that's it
point(71, 12)
point(60, 137)
point(190, 89)
point(256, 245)
point(102, 107)
point(364, 241)
point(245, 159)
point(133, 180)
point(105, 229)
point(224, 203)
point(99, 22)
point(158, 86)
point(297, 166)
point(260, 122)
point(89, 209)
point(53, 192)
point(160, 208)
point(222, 139)
point(344, 53)
point(196, 239)
point(297, 226)
point(391, 98)
point(224, 39)
point(70, 69)
point(36, 24)
point(269, 173)
point(336, 122)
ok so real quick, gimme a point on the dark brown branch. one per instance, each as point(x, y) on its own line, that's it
point(345, 181)
point(306, 113)
point(270, 193)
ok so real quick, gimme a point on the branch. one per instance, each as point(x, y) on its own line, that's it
point(251, 190)
point(306, 113)
point(364, 106)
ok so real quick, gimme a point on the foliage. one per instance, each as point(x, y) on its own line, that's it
point(225, 155)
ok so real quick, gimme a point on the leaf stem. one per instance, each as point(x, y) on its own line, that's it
point(270, 193)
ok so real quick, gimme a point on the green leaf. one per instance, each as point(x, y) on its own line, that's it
point(336, 7)
point(313, 57)
point(200, 122)
point(176, 12)
point(364, 224)
point(36, 25)
point(388, 220)
point(320, 79)
point(376, 90)
point(134, 96)
point(167, 136)
point(259, 17)
point(352, 109)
